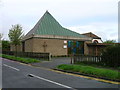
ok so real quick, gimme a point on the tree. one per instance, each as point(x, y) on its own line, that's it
point(1, 35)
point(110, 41)
point(16, 35)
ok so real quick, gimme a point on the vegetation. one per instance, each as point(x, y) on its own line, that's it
point(93, 71)
point(5, 45)
point(97, 65)
point(110, 41)
point(110, 56)
point(20, 59)
point(1, 35)
point(16, 35)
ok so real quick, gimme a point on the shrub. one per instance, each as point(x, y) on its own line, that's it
point(5, 45)
point(110, 56)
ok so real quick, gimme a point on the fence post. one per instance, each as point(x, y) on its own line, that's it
point(71, 59)
point(49, 56)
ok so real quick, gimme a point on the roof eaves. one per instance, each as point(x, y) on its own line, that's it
point(62, 37)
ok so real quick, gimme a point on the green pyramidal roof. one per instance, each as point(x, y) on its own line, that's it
point(47, 25)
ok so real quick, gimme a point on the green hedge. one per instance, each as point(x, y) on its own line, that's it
point(111, 56)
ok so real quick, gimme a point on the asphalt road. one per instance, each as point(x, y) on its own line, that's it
point(54, 62)
point(17, 75)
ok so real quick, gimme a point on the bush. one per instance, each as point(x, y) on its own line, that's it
point(110, 56)
point(5, 45)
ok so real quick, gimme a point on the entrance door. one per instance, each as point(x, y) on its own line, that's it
point(75, 47)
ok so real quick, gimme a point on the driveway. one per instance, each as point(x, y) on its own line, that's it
point(54, 62)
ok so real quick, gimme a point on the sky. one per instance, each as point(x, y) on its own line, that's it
point(82, 16)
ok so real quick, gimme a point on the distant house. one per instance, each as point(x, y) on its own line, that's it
point(95, 38)
point(49, 36)
point(96, 46)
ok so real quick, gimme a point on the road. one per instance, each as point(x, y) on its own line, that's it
point(17, 75)
point(54, 62)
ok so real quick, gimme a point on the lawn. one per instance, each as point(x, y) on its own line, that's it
point(92, 71)
point(20, 59)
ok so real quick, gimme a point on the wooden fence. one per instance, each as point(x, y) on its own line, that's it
point(36, 55)
point(87, 59)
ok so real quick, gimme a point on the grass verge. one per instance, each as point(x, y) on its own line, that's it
point(97, 65)
point(20, 59)
point(92, 71)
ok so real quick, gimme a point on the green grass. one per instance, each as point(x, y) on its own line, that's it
point(93, 71)
point(97, 65)
point(20, 59)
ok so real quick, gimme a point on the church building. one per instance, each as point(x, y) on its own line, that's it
point(48, 36)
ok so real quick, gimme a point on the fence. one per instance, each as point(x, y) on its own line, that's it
point(36, 55)
point(87, 59)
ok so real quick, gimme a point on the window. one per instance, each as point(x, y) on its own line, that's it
point(95, 41)
point(65, 46)
point(65, 41)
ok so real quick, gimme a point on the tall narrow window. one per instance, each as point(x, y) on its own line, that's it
point(23, 46)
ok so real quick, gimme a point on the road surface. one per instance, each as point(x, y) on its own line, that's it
point(17, 75)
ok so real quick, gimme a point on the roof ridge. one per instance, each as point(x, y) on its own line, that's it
point(91, 35)
point(33, 30)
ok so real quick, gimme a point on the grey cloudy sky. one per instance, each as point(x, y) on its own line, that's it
point(82, 16)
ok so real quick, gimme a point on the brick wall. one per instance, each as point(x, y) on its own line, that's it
point(96, 50)
point(28, 45)
point(86, 48)
point(19, 48)
point(53, 46)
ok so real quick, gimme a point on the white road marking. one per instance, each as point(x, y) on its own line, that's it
point(51, 81)
point(11, 67)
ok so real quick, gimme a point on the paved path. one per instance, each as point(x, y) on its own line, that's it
point(54, 62)
point(17, 75)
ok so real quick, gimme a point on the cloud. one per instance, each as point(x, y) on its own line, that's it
point(107, 31)
point(81, 14)
point(60, 8)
